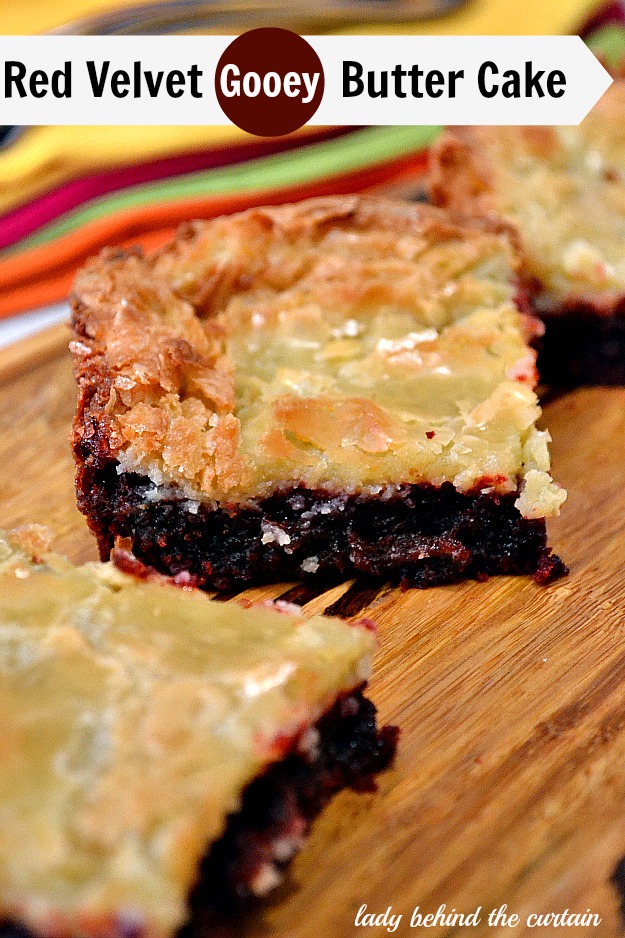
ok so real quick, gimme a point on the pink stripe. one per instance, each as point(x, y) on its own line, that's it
point(610, 14)
point(26, 219)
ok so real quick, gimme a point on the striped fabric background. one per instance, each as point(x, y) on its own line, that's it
point(67, 192)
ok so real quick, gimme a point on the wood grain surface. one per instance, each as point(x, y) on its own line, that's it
point(509, 787)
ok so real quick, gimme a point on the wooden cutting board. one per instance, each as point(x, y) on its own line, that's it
point(509, 787)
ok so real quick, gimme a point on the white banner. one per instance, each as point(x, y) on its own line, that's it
point(381, 80)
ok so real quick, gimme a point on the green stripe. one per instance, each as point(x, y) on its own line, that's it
point(609, 44)
point(344, 154)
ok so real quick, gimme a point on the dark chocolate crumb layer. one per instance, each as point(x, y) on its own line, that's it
point(418, 536)
point(583, 346)
point(279, 807)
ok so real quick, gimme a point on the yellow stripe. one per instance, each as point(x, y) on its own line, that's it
point(496, 17)
point(48, 156)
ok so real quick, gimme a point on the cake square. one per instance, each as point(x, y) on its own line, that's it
point(146, 727)
point(337, 386)
point(562, 189)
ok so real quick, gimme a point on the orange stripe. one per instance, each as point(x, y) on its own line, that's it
point(53, 266)
point(54, 289)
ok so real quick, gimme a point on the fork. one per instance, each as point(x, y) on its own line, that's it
point(181, 16)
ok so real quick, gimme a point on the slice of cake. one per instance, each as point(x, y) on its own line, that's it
point(145, 727)
point(334, 386)
point(563, 191)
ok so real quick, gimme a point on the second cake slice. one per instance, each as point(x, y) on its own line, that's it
point(562, 189)
point(335, 386)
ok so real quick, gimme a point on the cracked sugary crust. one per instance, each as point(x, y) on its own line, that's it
point(125, 318)
point(150, 358)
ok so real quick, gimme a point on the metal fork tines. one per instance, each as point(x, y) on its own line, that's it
point(184, 16)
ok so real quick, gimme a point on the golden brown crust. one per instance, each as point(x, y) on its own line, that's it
point(194, 367)
point(460, 175)
point(149, 372)
point(463, 171)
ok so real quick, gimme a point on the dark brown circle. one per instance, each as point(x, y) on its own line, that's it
point(260, 81)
